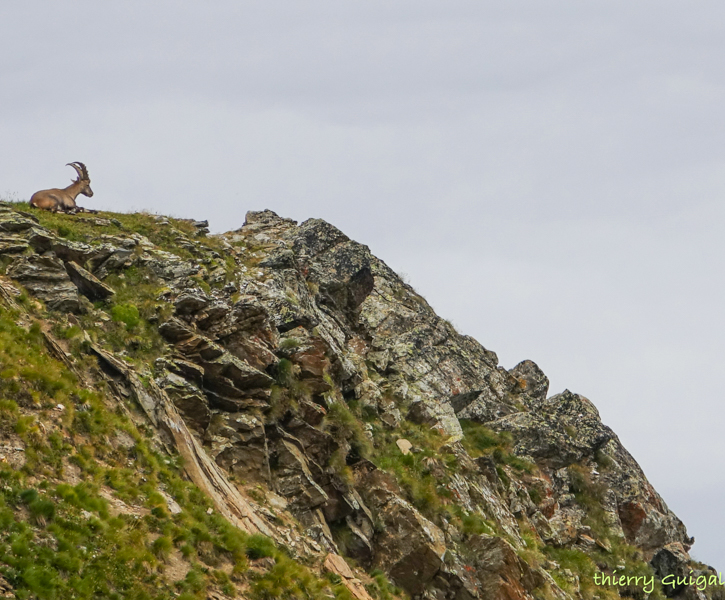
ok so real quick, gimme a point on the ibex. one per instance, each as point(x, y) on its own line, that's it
point(65, 199)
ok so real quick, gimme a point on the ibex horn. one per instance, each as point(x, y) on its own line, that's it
point(80, 169)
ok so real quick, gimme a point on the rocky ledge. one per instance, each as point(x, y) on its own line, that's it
point(324, 401)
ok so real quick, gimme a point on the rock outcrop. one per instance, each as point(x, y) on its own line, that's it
point(287, 364)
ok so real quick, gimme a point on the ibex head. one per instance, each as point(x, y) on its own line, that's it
point(83, 178)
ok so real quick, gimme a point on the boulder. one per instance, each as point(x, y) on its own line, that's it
point(120, 258)
point(190, 301)
point(673, 560)
point(43, 241)
point(12, 222)
point(188, 399)
point(87, 284)
point(339, 267)
point(404, 446)
point(12, 245)
point(45, 277)
point(438, 416)
point(293, 478)
point(238, 444)
point(530, 382)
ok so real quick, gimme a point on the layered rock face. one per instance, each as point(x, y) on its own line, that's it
point(307, 370)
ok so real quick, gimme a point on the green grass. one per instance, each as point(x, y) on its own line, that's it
point(479, 440)
point(59, 540)
point(126, 314)
point(80, 228)
point(343, 425)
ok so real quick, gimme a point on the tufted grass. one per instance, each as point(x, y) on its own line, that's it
point(60, 540)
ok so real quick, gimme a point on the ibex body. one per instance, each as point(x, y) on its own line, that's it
point(65, 199)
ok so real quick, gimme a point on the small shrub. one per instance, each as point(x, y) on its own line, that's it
point(260, 546)
point(345, 426)
point(126, 314)
point(284, 372)
point(478, 440)
point(162, 547)
point(71, 332)
point(289, 343)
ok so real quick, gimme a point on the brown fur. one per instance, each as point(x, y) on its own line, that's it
point(64, 199)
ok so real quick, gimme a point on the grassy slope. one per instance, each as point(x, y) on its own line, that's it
point(87, 514)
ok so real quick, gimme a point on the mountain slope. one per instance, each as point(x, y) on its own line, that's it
point(229, 416)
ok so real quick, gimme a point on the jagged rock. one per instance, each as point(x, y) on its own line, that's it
point(87, 284)
point(482, 406)
point(431, 360)
point(200, 468)
point(674, 560)
point(222, 371)
point(646, 520)
point(404, 446)
point(45, 277)
point(317, 445)
point(565, 430)
point(409, 547)
point(168, 266)
point(438, 416)
point(280, 258)
point(43, 241)
point(340, 267)
point(212, 314)
point(12, 245)
point(118, 259)
point(293, 478)
point(189, 399)
point(494, 571)
point(359, 546)
point(247, 332)
point(531, 382)
point(311, 412)
point(188, 370)
point(355, 332)
point(239, 445)
point(189, 302)
point(310, 354)
point(221, 366)
point(175, 330)
point(40, 239)
point(266, 223)
point(337, 565)
point(13, 222)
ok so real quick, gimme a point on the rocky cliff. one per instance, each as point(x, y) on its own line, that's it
point(273, 413)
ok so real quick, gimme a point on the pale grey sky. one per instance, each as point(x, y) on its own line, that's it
point(549, 175)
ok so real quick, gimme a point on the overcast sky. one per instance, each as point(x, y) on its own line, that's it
point(549, 175)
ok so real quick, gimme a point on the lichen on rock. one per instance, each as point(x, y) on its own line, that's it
point(316, 398)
